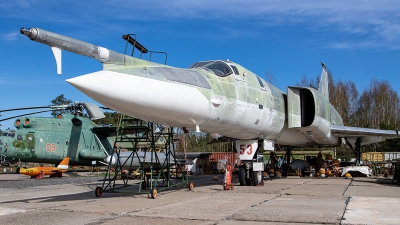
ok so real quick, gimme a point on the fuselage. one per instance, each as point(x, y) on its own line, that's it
point(46, 170)
point(49, 140)
point(217, 96)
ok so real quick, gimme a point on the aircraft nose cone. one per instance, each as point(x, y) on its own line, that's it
point(103, 87)
point(21, 170)
point(145, 98)
point(88, 84)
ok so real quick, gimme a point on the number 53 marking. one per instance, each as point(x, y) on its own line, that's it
point(243, 149)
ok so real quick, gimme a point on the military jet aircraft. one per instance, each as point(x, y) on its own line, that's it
point(220, 97)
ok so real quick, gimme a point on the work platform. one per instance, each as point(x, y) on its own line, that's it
point(145, 150)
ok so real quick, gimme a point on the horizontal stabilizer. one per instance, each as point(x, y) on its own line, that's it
point(367, 135)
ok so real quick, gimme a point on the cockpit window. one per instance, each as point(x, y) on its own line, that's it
point(11, 135)
point(4, 134)
point(235, 69)
point(219, 68)
point(260, 81)
point(199, 64)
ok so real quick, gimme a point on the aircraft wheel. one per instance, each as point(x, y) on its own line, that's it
point(248, 181)
point(153, 193)
point(144, 185)
point(98, 192)
point(191, 186)
point(254, 179)
point(242, 176)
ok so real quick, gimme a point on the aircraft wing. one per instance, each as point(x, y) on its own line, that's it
point(367, 135)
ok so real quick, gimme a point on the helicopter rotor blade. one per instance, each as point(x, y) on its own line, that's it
point(26, 114)
point(37, 107)
point(93, 111)
point(25, 108)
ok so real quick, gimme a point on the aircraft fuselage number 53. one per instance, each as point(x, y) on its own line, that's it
point(248, 150)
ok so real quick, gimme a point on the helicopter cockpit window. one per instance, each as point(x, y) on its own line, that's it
point(19, 137)
point(11, 134)
point(4, 134)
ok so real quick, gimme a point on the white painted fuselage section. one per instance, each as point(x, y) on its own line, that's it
point(180, 105)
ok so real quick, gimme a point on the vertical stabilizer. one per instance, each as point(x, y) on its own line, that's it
point(64, 163)
point(323, 82)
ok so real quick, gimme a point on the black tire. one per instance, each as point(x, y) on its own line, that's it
point(254, 179)
point(144, 185)
point(98, 192)
point(242, 176)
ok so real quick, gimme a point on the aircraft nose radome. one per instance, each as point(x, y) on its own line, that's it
point(144, 98)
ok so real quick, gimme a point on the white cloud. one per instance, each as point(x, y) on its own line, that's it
point(10, 36)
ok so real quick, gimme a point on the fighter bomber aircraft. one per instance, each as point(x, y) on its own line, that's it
point(217, 96)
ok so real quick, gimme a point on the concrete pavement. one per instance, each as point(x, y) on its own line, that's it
point(286, 201)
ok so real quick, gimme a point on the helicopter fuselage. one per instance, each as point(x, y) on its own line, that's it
point(49, 140)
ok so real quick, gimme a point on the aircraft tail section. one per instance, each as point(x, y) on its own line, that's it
point(323, 82)
point(64, 163)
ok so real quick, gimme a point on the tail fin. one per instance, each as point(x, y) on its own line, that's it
point(323, 82)
point(64, 163)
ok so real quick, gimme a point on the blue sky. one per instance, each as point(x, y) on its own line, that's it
point(357, 40)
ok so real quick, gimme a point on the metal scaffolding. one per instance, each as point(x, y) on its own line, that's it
point(150, 155)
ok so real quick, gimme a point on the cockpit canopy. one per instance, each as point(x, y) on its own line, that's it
point(218, 67)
